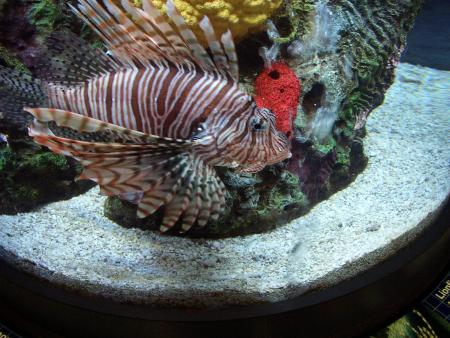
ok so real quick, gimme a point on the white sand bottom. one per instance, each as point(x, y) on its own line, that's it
point(407, 179)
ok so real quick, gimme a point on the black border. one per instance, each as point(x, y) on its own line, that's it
point(343, 310)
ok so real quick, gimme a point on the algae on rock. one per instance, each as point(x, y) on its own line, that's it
point(293, 20)
point(31, 176)
point(49, 16)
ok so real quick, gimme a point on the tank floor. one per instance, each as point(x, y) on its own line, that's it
point(406, 181)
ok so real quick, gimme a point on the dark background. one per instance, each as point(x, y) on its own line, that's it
point(429, 42)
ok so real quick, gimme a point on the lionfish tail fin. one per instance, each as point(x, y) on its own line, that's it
point(147, 170)
point(135, 35)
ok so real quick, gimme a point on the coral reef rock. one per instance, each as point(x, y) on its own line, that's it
point(346, 59)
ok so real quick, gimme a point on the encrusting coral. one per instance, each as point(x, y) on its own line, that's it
point(278, 89)
point(241, 17)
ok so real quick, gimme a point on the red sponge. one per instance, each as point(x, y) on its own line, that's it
point(278, 88)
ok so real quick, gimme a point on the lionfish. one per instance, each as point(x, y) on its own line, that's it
point(151, 118)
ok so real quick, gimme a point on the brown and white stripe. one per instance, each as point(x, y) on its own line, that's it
point(161, 100)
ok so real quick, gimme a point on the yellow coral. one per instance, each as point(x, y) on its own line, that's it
point(241, 16)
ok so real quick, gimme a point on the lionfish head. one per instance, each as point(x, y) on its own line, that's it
point(265, 144)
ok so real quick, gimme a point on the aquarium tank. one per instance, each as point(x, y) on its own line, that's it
point(202, 155)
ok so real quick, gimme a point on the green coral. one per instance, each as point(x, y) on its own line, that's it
point(46, 163)
point(284, 195)
point(24, 193)
point(121, 212)
point(6, 159)
point(374, 49)
point(277, 205)
point(48, 16)
point(34, 159)
point(2, 5)
point(341, 172)
point(327, 145)
point(296, 12)
point(342, 156)
point(12, 60)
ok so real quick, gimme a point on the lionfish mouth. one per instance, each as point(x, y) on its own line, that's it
point(282, 151)
point(281, 157)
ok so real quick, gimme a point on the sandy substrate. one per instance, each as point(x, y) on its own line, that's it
point(389, 204)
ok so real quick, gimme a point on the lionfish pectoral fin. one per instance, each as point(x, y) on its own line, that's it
point(39, 128)
point(84, 124)
point(150, 171)
point(137, 36)
point(191, 192)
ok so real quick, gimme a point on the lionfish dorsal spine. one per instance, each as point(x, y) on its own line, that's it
point(149, 36)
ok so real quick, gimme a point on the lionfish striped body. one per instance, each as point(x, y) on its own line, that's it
point(158, 99)
point(172, 111)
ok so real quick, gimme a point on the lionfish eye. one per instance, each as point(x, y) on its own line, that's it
point(258, 124)
point(201, 127)
point(199, 131)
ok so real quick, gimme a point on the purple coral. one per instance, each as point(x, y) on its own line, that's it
point(313, 169)
point(18, 35)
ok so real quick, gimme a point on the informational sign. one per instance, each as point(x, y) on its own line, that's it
point(7, 333)
point(438, 301)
